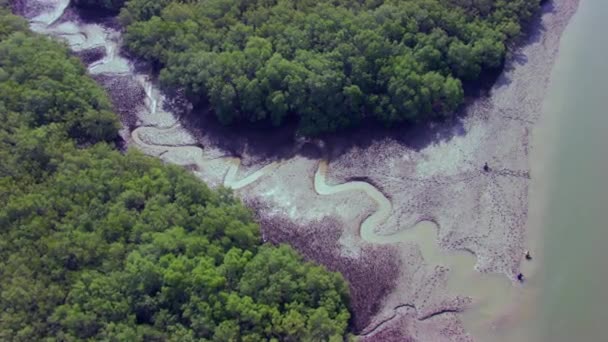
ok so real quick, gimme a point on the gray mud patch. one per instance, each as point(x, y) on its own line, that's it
point(28, 9)
point(371, 275)
point(404, 326)
point(127, 97)
point(90, 56)
point(476, 210)
point(326, 229)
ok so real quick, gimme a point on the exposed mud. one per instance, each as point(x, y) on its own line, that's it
point(425, 191)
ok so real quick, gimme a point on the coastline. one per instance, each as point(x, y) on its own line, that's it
point(524, 82)
point(396, 292)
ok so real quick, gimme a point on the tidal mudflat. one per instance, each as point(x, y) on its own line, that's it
point(429, 238)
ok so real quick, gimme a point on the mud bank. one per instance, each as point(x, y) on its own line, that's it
point(384, 211)
point(483, 212)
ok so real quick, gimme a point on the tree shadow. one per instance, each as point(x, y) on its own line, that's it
point(92, 16)
point(262, 141)
point(534, 32)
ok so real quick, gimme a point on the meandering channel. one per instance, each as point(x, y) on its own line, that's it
point(491, 293)
point(490, 289)
point(368, 226)
point(196, 153)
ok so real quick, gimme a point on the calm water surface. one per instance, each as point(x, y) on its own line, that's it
point(575, 272)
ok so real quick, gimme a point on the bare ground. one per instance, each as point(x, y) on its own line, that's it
point(483, 212)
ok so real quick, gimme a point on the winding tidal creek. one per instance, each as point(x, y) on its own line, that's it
point(458, 231)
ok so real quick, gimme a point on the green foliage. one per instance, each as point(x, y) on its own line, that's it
point(331, 63)
point(109, 245)
point(9, 23)
point(44, 84)
point(97, 245)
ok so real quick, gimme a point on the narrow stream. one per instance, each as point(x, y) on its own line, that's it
point(156, 120)
point(493, 295)
point(497, 301)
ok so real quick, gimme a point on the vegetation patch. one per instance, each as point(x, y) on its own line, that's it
point(329, 63)
point(96, 245)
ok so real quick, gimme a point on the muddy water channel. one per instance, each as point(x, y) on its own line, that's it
point(447, 223)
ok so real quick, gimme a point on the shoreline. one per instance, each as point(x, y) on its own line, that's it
point(525, 296)
point(442, 175)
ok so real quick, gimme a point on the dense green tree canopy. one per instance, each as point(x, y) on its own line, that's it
point(44, 84)
point(97, 245)
point(329, 62)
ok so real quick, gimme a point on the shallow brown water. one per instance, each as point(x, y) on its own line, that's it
point(564, 301)
point(491, 293)
point(574, 301)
